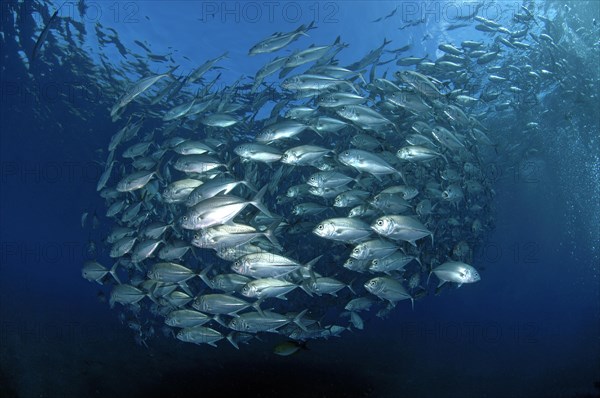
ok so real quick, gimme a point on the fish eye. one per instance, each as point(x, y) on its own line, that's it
point(184, 218)
point(380, 222)
point(375, 262)
point(320, 226)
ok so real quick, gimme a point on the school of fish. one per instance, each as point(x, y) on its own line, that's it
point(307, 199)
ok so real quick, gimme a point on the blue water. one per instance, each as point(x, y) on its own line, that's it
point(530, 328)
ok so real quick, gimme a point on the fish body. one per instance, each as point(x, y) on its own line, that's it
point(456, 272)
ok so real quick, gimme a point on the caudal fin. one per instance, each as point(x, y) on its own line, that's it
point(257, 201)
point(204, 276)
point(270, 233)
point(298, 320)
point(113, 272)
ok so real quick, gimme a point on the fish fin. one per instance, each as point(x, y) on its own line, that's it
point(204, 276)
point(417, 259)
point(173, 69)
point(249, 185)
point(230, 164)
point(218, 319)
point(270, 233)
point(349, 286)
point(113, 272)
point(307, 290)
point(233, 343)
point(256, 305)
point(151, 297)
point(311, 26)
point(440, 284)
point(185, 288)
point(401, 175)
point(297, 320)
point(352, 87)
point(311, 263)
point(256, 201)
point(285, 71)
point(378, 177)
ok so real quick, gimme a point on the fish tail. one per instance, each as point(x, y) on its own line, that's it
point(312, 262)
point(232, 341)
point(257, 201)
point(298, 320)
point(204, 276)
point(218, 319)
point(256, 306)
point(270, 233)
point(170, 72)
point(349, 286)
point(113, 272)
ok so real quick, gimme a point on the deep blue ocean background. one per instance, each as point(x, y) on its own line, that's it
point(530, 328)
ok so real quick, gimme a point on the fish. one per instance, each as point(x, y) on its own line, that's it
point(289, 347)
point(393, 262)
point(258, 152)
point(268, 265)
point(221, 304)
point(186, 318)
point(367, 162)
point(372, 249)
point(219, 210)
point(200, 335)
point(254, 322)
point(303, 155)
point(135, 181)
point(388, 289)
point(138, 88)
point(404, 228)
point(267, 287)
point(456, 272)
point(125, 294)
point(96, 272)
point(43, 35)
point(279, 40)
point(348, 230)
